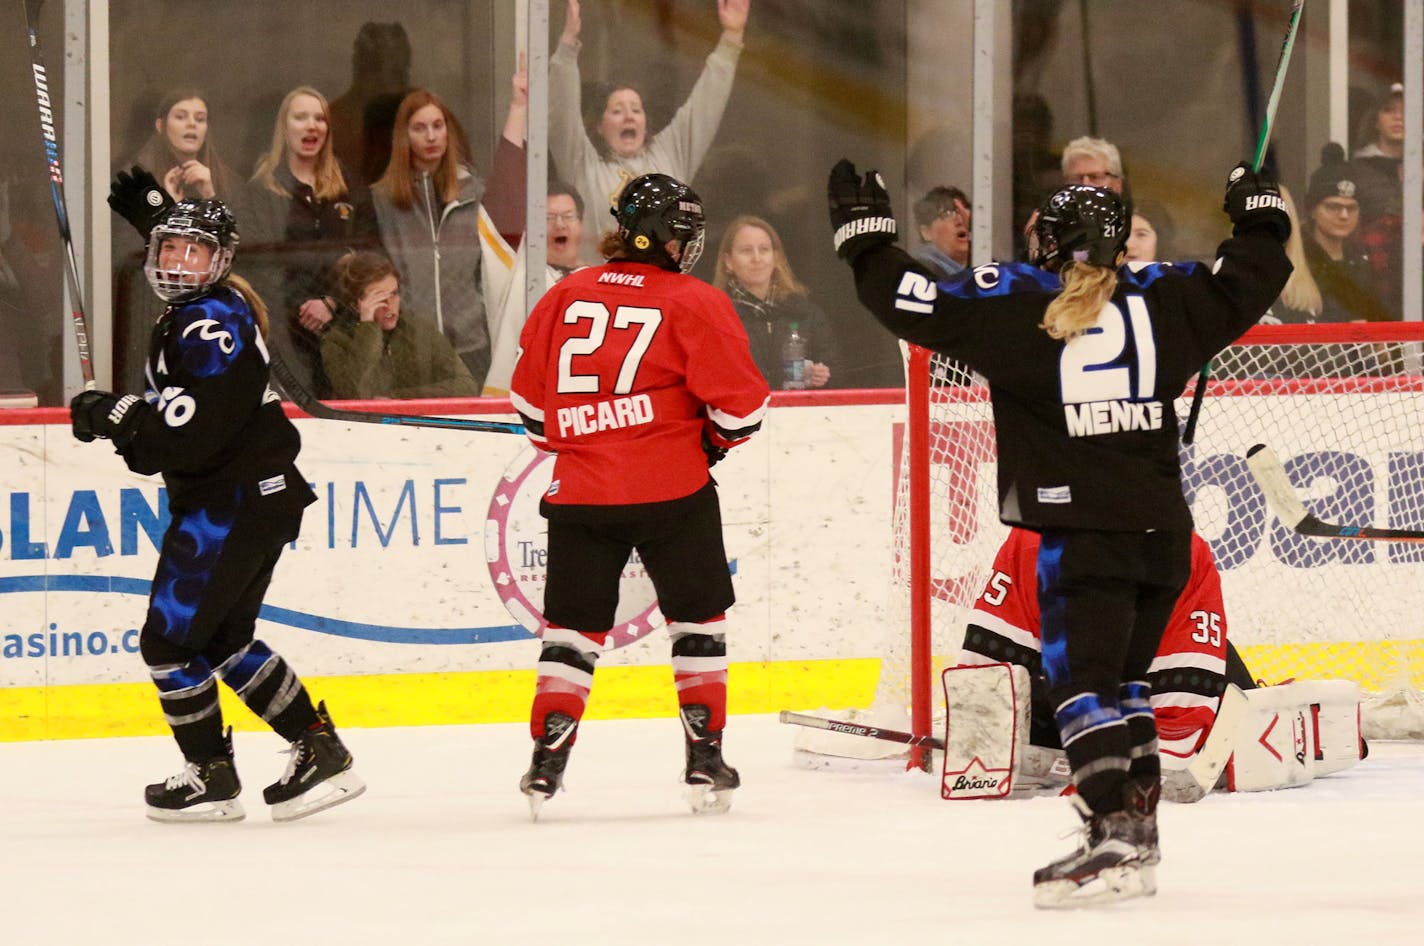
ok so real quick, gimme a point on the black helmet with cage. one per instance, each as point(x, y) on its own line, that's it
point(655, 209)
point(1079, 224)
point(190, 250)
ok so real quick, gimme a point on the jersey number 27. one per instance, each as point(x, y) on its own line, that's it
point(584, 347)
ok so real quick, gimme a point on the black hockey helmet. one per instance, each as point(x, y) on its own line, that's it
point(205, 223)
point(1079, 224)
point(654, 209)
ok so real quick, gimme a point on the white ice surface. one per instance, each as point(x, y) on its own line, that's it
point(441, 850)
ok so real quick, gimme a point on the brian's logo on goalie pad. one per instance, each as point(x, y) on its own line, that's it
point(986, 727)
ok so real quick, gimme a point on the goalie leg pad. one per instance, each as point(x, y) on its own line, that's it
point(986, 729)
point(1294, 732)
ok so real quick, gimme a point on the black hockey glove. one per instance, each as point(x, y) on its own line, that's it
point(861, 215)
point(138, 197)
point(714, 452)
point(94, 414)
point(1254, 200)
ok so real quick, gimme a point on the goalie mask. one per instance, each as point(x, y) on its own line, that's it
point(190, 250)
point(1079, 224)
point(655, 209)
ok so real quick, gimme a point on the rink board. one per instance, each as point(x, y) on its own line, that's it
point(411, 596)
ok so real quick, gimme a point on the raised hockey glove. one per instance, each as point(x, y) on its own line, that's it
point(1253, 200)
point(137, 196)
point(714, 452)
point(861, 215)
point(94, 414)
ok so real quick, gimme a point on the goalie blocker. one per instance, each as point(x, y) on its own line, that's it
point(1283, 737)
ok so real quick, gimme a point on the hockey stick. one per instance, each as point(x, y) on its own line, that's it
point(50, 138)
point(854, 729)
point(304, 399)
point(1266, 467)
point(1190, 432)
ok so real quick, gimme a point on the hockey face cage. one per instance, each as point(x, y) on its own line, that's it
point(656, 209)
point(181, 279)
point(1079, 224)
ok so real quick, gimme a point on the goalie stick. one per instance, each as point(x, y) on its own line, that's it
point(1271, 476)
point(1189, 432)
point(304, 399)
point(855, 729)
point(49, 138)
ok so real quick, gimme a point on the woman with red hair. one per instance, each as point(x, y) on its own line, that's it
point(451, 237)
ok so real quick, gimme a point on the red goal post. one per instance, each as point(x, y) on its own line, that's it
point(1343, 406)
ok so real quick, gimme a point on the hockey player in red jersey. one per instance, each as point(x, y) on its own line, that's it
point(640, 378)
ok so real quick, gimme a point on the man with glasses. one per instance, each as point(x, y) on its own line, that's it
point(1094, 161)
point(942, 217)
point(563, 212)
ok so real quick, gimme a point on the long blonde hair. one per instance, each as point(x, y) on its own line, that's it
point(783, 281)
point(1301, 292)
point(254, 301)
point(398, 181)
point(330, 183)
point(1086, 289)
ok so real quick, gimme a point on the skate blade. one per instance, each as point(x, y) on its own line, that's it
point(210, 811)
point(536, 804)
point(337, 790)
point(1110, 886)
point(705, 800)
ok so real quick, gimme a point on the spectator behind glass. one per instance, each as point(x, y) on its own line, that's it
point(942, 217)
point(303, 216)
point(599, 161)
point(371, 352)
point(563, 212)
point(1339, 265)
point(1037, 169)
point(181, 155)
point(363, 115)
point(564, 223)
point(753, 270)
point(1150, 238)
point(429, 204)
point(1379, 175)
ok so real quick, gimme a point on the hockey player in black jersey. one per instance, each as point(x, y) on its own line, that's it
point(212, 427)
point(1084, 361)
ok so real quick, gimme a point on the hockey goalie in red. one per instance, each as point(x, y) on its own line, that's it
point(1187, 677)
point(640, 378)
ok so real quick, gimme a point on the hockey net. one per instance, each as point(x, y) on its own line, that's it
point(1343, 406)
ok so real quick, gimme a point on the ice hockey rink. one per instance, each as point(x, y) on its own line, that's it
point(440, 850)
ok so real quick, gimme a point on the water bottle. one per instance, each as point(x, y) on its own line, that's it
point(793, 360)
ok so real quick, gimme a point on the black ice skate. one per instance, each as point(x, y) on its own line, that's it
point(710, 780)
point(203, 791)
point(1116, 861)
point(551, 755)
point(318, 775)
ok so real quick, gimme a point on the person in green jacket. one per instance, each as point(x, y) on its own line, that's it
point(371, 352)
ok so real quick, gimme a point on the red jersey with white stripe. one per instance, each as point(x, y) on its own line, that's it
point(1188, 673)
point(622, 367)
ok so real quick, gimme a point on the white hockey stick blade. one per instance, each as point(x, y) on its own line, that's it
point(1205, 769)
point(1266, 467)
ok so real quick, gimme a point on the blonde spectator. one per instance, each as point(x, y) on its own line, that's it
point(302, 215)
point(753, 270)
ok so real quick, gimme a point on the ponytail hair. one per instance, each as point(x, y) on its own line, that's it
point(254, 301)
point(1086, 289)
